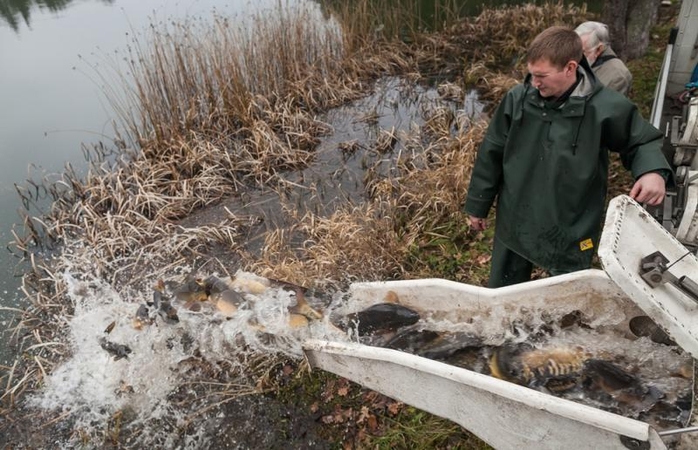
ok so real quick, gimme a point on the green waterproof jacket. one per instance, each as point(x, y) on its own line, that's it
point(547, 165)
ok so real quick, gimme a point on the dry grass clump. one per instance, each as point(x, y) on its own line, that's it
point(207, 76)
point(372, 241)
point(438, 191)
point(500, 36)
point(439, 121)
point(223, 78)
point(492, 85)
point(119, 209)
point(353, 243)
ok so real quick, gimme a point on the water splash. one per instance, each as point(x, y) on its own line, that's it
point(93, 384)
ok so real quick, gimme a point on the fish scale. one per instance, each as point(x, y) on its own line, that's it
point(527, 366)
point(553, 368)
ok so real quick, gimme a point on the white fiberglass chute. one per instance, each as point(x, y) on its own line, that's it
point(509, 416)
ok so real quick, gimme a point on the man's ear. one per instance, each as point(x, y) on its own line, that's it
point(571, 66)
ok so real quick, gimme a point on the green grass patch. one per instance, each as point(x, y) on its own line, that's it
point(416, 429)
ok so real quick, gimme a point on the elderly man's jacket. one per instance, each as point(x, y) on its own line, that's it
point(612, 72)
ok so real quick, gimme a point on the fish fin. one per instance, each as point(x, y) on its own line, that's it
point(391, 297)
point(303, 307)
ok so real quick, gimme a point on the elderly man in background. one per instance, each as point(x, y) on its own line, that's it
point(607, 67)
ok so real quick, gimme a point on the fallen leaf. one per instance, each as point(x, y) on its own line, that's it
point(361, 436)
point(379, 401)
point(372, 423)
point(343, 391)
point(363, 415)
point(328, 393)
point(483, 259)
point(370, 396)
point(348, 413)
point(394, 407)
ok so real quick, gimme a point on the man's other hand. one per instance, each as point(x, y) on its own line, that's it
point(478, 223)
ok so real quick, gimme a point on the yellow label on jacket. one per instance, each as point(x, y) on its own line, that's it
point(585, 245)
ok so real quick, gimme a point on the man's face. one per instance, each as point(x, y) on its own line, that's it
point(551, 81)
point(591, 53)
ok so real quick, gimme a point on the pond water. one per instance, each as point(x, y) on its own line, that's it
point(53, 100)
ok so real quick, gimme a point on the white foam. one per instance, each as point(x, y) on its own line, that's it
point(93, 385)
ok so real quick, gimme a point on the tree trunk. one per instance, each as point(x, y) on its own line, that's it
point(629, 23)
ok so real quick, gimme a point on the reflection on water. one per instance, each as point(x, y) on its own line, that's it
point(432, 13)
point(14, 11)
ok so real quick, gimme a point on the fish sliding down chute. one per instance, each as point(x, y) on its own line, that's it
point(501, 412)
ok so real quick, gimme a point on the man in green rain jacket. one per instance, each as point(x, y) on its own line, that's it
point(545, 159)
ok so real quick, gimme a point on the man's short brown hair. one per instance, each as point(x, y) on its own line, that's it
point(558, 45)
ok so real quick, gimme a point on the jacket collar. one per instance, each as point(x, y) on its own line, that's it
point(589, 84)
point(606, 55)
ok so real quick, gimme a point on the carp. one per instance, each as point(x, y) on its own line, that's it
point(168, 312)
point(618, 383)
point(141, 318)
point(249, 285)
point(644, 326)
point(380, 317)
point(298, 321)
point(214, 285)
point(411, 340)
point(192, 290)
point(458, 348)
point(303, 308)
point(556, 369)
point(162, 304)
point(561, 369)
point(445, 345)
point(227, 301)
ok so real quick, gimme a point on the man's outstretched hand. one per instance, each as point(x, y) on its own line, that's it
point(649, 188)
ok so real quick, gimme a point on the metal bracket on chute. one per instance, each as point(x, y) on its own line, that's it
point(654, 269)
